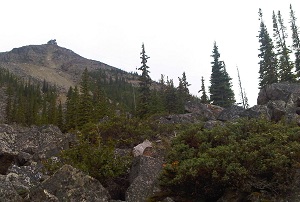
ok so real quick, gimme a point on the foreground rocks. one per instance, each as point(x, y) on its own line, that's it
point(69, 184)
point(24, 178)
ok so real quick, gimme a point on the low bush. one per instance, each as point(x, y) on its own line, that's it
point(248, 155)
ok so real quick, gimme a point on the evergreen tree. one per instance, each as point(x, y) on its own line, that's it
point(183, 87)
point(72, 112)
point(268, 71)
point(204, 98)
point(171, 97)
point(296, 41)
point(9, 103)
point(85, 103)
point(280, 35)
point(59, 118)
point(145, 83)
point(183, 92)
point(221, 93)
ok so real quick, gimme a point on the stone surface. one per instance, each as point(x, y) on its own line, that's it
point(257, 111)
point(204, 111)
point(7, 191)
point(279, 91)
point(143, 176)
point(231, 113)
point(69, 184)
point(282, 101)
point(140, 149)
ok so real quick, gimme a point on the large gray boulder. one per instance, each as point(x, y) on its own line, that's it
point(203, 111)
point(287, 92)
point(143, 178)
point(231, 113)
point(69, 184)
point(21, 146)
point(8, 191)
point(257, 111)
point(282, 101)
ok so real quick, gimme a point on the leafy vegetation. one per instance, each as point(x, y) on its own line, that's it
point(248, 156)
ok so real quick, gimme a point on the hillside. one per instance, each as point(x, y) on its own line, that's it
point(55, 64)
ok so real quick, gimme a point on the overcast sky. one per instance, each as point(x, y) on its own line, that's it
point(178, 35)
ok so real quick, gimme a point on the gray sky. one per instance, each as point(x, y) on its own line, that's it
point(178, 35)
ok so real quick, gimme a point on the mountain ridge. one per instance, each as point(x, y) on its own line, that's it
point(57, 65)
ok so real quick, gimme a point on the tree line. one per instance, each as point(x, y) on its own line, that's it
point(275, 62)
point(103, 92)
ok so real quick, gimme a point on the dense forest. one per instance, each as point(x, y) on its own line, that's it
point(111, 109)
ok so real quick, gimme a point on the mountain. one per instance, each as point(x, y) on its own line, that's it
point(50, 62)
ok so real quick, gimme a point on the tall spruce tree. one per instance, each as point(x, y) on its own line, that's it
point(268, 70)
point(285, 65)
point(171, 97)
point(204, 98)
point(183, 92)
point(296, 41)
point(85, 104)
point(221, 92)
point(145, 83)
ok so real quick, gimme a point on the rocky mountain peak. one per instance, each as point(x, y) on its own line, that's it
point(50, 62)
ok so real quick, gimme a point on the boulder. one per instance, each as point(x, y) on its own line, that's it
point(28, 176)
point(277, 109)
point(7, 191)
point(7, 151)
point(257, 111)
point(231, 113)
point(282, 101)
point(143, 177)
point(69, 184)
point(144, 148)
point(203, 111)
point(279, 91)
point(43, 142)
point(178, 119)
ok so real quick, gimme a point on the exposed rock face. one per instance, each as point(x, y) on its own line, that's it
point(143, 178)
point(231, 113)
point(69, 184)
point(21, 151)
point(142, 149)
point(7, 190)
point(57, 65)
point(20, 145)
point(287, 92)
point(204, 111)
point(281, 100)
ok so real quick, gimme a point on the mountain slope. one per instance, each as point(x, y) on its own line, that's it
point(55, 64)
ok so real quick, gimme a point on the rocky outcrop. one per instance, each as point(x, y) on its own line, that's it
point(143, 178)
point(22, 145)
point(203, 111)
point(287, 92)
point(282, 101)
point(22, 150)
point(69, 184)
point(8, 191)
point(194, 113)
point(231, 113)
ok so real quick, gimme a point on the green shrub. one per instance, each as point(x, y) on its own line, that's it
point(97, 160)
point(125, 132)
point(248, 155)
